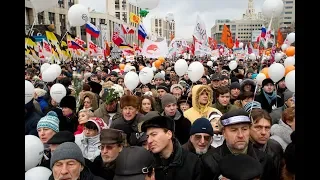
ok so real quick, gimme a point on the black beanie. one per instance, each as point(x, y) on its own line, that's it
point(266, 81)
point(235, 85)
point(201, 125)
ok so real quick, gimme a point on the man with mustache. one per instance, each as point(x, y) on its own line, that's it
point(236, 131)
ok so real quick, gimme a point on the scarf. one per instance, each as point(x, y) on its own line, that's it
point(269, 97)
point(91, 141)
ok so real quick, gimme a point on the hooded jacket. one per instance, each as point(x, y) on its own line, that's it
point(197, 110)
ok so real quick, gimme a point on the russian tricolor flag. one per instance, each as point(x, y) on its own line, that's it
point(263, 32)
point(75, 45)
point(92, 30)
point(142, 34)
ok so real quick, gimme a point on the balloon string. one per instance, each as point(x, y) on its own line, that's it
point(190, 91)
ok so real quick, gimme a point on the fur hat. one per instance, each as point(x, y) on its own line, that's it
point(92, 97)
point(129, 100)
point(69, 102)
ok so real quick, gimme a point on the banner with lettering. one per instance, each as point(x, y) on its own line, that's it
point(200, 32)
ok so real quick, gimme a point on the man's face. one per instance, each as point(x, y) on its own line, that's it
point(201, 142)
point(237, 136)
point(260, 131)
point(161, 93)
point(224, 99)
point(129, 112)
point(158, 139)
point(235, 92)
point(113, 78)
point(158, 81)
point(268, 88)
point(170, 109)
point(224, 82)
point(109, 152)
point(177, 92)
point(282, 84)
point(172, 73)
point(67, 169)
point(215, 84)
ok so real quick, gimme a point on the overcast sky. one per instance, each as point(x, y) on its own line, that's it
point(185, 12)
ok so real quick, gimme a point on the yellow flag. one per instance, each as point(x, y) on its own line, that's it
point(134, 18)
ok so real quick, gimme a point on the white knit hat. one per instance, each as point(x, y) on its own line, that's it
point(40, 92)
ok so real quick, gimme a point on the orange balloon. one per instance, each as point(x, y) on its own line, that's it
point(290, 51)
point(121, 66)
point(161, 59)
point(157, 63)
point(141, 67)
point(267, 53)
point(289, 68)
point(265, 72)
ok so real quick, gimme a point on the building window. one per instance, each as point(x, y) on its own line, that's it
point(287, 17)
point(289, 2)
point(51, 17)
point(160, 22)
point(156, 22)
point(62, 19)
point(93, 21)
point(124, 16)
point(117, 4)
point(288, 7)
point(118, 15)
point(288, 12)
point(73, 30)
point(220, 27)
point(124, 5)
point(102, 21)
point(70, 3)
point(41, 17)
point(61, 3)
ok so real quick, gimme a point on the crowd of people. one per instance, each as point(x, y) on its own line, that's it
point(224, 126)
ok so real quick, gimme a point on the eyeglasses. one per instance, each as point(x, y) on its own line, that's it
point(199, 137)
point(108, 147)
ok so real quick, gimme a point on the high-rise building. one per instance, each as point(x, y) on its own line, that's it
point(287, 18)
point(161, 28)
point(121, 10)
point(244, 29)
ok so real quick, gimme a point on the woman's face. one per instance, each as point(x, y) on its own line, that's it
point(247, 87)
point(146, 105)
point(54, 103)
point(45, 134)
point(87, 103)
point(184, 106)
point(83, 118)
point(89, 132)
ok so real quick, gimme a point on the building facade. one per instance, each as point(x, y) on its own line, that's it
point(161, 28)
point(243, 29)
point(58, 16)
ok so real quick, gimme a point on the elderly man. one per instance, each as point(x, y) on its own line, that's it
point(129, 118)
point(200, 140)
point(236, 130)
point(67, 162)
point(172, 162)
point(111, 145)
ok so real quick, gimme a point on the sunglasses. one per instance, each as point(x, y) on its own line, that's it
point(199, 137)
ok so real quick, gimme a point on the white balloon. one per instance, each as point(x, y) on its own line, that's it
point(210, 63)
point(272, 8)
point(290, 80)
point(229, 58)
point(127, 68)
point(29, 91)
point(291, 37)
point(241, 45)
point(49, 75)
point(154, 69)
point(289, 61)
point(277, 57)
point(57, 92)
point(233, 65)
point(212, 58)
point(181, 67)
point(44, 67)
point(276, 72)
point(260, 77)
point(145, 4)
point(38, 173)
point(131, 80)
point(57, 68)
point(78, 15)
point(252, 56)
point(146, 75)
point(195, 71)
point(42, 5)
point(33, 151)
point(284, 46)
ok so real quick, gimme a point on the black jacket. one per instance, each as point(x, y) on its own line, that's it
point(211, 160)
point(264, 103)
point(182, 165)
point(98, 168)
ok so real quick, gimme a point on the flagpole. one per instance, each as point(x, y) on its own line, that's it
point(88, 48)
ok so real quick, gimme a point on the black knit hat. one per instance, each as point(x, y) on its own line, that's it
point(201, 125)
point(68, 102)
point(267, 81)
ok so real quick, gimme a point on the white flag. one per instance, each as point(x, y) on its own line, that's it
point(200, 31)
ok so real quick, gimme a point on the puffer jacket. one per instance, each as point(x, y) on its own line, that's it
point(281, 133)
